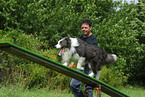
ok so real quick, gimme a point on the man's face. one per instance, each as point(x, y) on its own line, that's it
point(86, 30)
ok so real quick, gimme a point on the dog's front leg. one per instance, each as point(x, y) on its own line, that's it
point(65, 61)
point(66, 58)
point(81, 63)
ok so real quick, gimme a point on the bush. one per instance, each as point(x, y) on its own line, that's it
point(114, 74)
point(50, 20)
point(16, 70)
point(123, 36)
point(36, 25)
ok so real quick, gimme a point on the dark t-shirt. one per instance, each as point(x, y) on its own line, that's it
point(90, 40)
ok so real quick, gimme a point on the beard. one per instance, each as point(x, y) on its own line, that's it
point(86, 33)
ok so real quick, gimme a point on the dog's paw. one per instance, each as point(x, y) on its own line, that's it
point(65, 64)
point(91, 74)
point(80, 68)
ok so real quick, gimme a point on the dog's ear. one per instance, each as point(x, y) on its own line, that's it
point(68, 36)
point(68, 41)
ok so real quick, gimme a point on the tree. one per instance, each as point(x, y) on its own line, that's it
point(123, 34)
point(52, 19)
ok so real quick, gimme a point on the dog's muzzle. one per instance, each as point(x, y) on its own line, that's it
point(57, 46)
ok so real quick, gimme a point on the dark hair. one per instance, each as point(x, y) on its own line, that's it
point(86, 21)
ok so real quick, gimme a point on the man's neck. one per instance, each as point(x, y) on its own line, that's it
point(88, 35)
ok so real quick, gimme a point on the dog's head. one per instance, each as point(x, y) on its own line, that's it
point(64, 42)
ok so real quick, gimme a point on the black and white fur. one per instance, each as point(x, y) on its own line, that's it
point(79, 49)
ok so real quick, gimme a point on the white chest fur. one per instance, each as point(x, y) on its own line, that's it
point(69, 53)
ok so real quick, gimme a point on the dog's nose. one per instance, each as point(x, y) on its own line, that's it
point(57, 46)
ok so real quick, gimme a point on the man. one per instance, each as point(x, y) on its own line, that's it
point(86, 26)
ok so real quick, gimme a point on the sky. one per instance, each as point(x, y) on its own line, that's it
point(136, 1)
point(129, 1)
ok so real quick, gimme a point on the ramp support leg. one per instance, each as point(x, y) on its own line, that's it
point(98, 88)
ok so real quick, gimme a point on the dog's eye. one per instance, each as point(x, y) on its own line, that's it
point(61, 42)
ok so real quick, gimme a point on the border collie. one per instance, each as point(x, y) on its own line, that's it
point(84, 52)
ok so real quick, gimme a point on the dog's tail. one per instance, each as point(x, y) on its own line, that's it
point(111, 58)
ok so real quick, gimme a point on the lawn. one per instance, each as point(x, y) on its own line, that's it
point(16, 92)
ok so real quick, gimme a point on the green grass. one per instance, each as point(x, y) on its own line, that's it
point(12, 91)
point(134, 91)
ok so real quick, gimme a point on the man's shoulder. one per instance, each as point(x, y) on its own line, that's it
point(92, 36)
point(93, 40)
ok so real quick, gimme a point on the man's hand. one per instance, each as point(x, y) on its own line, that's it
point(71, 65)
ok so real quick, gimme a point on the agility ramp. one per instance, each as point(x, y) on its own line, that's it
point(31, 56)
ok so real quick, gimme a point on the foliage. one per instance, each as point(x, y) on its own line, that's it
point(50, 20)
point(36, 25)
point(19, 71)
point(114, 75)
point(124, 36)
